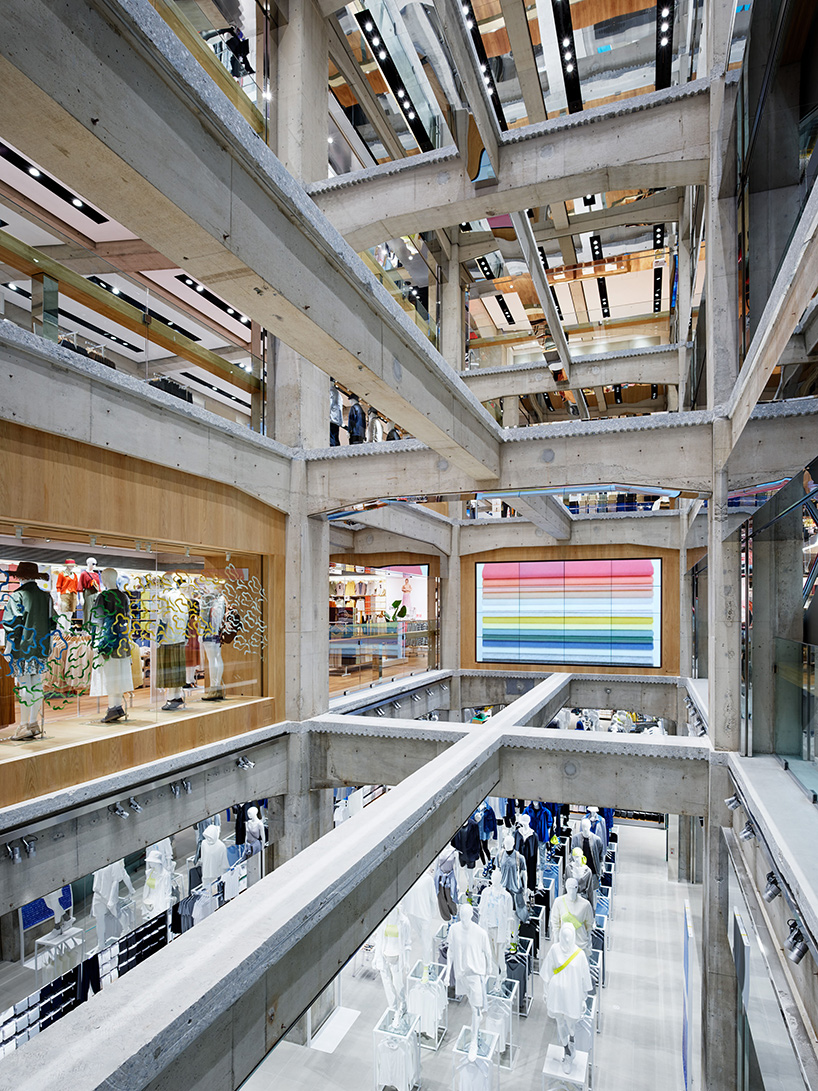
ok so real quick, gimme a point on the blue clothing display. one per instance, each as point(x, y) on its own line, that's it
point(540, 820)
point(487, 821)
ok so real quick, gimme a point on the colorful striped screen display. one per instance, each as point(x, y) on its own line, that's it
point(595, 613)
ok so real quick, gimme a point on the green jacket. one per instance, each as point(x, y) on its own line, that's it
point(29, 620)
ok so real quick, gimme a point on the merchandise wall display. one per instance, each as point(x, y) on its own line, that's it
point(140, 640)
point(604, 613)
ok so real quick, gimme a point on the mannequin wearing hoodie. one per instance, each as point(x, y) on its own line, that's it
point(356, 421)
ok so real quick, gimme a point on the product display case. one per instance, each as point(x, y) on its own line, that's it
point(426, 997)
point(480, 1073)
point(502, 1012)
point(397, 1051)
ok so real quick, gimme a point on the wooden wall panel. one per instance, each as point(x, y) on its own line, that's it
point(27, 776)
point(670, 604)
point(57, 483)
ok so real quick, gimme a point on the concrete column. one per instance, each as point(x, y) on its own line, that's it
point(511, 411)
point(723, 609)
point(685, 619)
point(450, 623)
point(307, 814)
point(777, 613)
point(45, 304)
point(300, 390)
point(306, 609)
point(719, 1011)
point(453, 314)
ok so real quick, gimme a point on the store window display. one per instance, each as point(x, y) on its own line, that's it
point(68, 585)
point(567, 980)
point(29, 622)
point(90, 584)
point(111, 621)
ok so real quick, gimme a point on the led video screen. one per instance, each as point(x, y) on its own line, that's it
point(585, 613)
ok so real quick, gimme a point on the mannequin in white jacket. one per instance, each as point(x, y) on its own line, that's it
point(471, 960)
point(567, 981)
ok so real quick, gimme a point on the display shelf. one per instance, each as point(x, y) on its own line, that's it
point(587, 1028)
point(537, 918)
point(57, 952)
point(550, 886)
point(554, 1078)
point(482, 1074)
point(551, 874)
point(426, 997)
point(598, 946)
point(502, 1012)
point(519, 966)
point(397, 1051)
point(595, 966)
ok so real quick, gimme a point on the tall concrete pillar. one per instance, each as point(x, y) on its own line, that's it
point(685, 619)
point(719, 1002)
point(776, 636)
point(307, 814)
point(453, 314)
point(724, 618)
point(511, 411)
point(306, 608)
point(300, 389)
point(450, 622)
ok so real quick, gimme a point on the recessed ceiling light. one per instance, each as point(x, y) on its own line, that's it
point(663, 41)
point(664, 27)
point(568, 56)
point(569, 68)
point(376, 40)
point(369, 28)
point(33, 172)
point(267, 95)
point(469, 24)
point(329, 140)
point(230, 310)
point(199, 287)
point(665, 12)
point(190, 282)
point(77, 203)
point(411, 115)
point(115, 291)
point(382, 55)
point(566, 42)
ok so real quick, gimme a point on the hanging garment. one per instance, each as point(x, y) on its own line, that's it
point(467, 843)
point(111, 617)
point(529, 849)
point(497, 914)
point(487, 822)
point(445, 883)
point(29, 619)
point(579, 913)
point(513, 875)
point(356, 424)
point(474, 1075)
point(540, 820)
point(517, 970)
point(567, 982)
point(396, 1066)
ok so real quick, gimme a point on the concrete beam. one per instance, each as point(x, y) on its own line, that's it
point(121, 256)
point(792, 291)
point(663, 450)
point(247, 229)
point(658, 140)
point(525, 63)
point(658, 529)
point(661, 207)
point(545, 512)
point(453, 25)
point(655, 365)
point(78, 840)
point(657, 697)
point(525, 237)
point(410, 521)
point(90, 403)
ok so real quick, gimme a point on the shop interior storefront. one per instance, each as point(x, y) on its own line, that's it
point(116, 637)
point(382, 623)
point(66, 946)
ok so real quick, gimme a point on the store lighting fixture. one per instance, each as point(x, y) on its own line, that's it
point(139, 304)
point(747, 833)
point(657, 290)
point(588, 200)
point(772, 890)
point(393, 79)
point(733, 803)
point(664, 45)
point(14, 854)
point(501, 303)
point(176, 790)
point(548, 404)
point(51, 184)
point(654, 391)
point(245, 763)
point(473, 31)
point(205, 292)
point(603, 297)
point(187, 787)
point(137, 808)
point(799, 950)
point(556, 301)
point(30, 845)
point(416, 697)
point(119, 810)
point(379, 712)
point(617, 392)
point(658, 236)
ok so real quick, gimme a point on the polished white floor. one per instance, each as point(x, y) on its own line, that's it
point(639, 1044)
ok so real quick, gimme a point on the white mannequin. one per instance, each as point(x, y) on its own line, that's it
point(116, 673)
point(213, 607)
point(597, 850)
point(513, 876)
point(570, 908)
point(172, 615)
point(67, 597)
point(255, 832)
point(190, 672)
point(393, 945)
point(567, 980)
point(105, 903)
point(597, 824)
point(471, 960)
point(157, 894)
point(420, 905)
point(524, 826)
point(497, 917)
point(214, 855)
point(579, 871)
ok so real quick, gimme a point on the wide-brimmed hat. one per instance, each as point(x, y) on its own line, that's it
point(28, 570)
